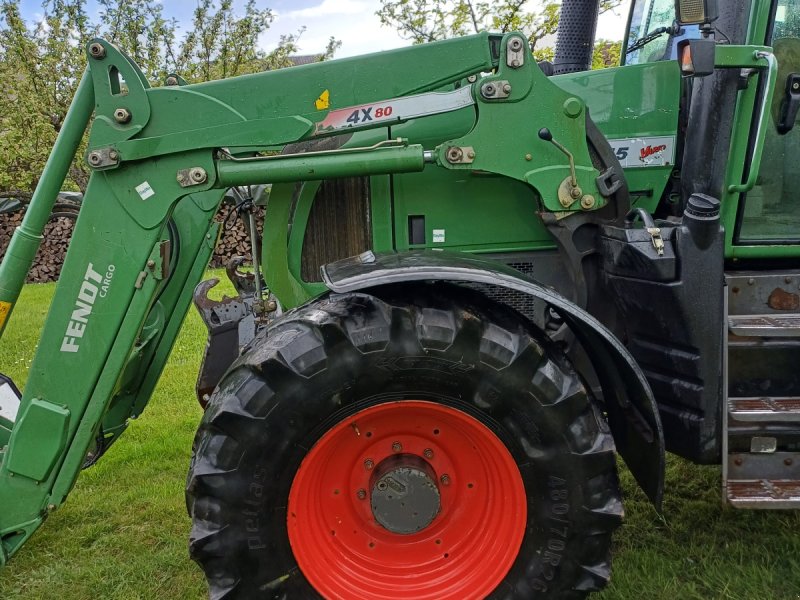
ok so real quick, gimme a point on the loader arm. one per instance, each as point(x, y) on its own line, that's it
point(161, 160)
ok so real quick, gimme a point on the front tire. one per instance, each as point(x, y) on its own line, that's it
point(501, 473)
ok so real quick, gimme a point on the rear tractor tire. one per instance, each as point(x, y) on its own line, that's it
point(418, 443)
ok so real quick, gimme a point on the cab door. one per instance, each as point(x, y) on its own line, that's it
point(768, 217)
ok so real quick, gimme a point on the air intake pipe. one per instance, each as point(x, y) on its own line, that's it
point(576, 29)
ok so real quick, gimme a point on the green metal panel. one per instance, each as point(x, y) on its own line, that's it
point(470, 211)
point(34, 457)
point(635, 101)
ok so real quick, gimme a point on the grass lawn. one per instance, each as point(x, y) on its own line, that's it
point(123, 532)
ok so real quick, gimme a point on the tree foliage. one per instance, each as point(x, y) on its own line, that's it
point(428, 20)
point(42, 62)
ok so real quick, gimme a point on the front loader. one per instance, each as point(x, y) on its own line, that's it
point(479, 279)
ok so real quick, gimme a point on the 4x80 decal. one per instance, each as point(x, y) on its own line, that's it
point(395, 110)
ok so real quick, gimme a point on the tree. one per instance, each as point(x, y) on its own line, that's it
point(41, 64)
point(428, 20)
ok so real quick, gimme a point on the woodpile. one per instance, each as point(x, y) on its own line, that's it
point(234, 240)
point(57, 233)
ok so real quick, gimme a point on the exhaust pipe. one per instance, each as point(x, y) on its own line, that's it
point(575, 41)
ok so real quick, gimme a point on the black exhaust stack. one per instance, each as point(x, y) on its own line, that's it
point(576, 29)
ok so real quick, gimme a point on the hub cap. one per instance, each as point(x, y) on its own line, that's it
point(407, 499)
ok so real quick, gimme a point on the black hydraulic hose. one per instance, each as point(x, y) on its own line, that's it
point(647, 219)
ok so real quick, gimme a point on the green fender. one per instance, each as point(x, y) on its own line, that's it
point(632, 412)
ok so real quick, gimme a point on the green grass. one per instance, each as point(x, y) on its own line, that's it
point(122, 533)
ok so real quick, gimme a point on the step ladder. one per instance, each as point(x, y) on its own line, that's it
point(761, 427)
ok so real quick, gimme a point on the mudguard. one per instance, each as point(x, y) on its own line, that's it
point(629, 403)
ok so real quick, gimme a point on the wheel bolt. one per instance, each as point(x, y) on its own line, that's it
point(362, 493)
point(368, 464)
point(787, 462)
point(397, 447)
point(445, 479)
point(428, 453)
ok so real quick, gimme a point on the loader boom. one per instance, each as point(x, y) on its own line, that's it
point(162, 158)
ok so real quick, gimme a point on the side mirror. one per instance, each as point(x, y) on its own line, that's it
point(696, 12)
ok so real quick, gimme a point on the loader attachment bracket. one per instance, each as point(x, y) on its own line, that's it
point(632, 412)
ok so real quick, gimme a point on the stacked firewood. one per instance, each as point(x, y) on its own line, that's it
point(57, 233)
point(234, 240)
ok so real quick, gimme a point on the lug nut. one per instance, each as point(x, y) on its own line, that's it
point(397, 447)
point(96, 50)
point(368, 464)
point(362, 493)
point(445, 479)
point(428, 453)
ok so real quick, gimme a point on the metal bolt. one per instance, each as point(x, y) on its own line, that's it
point(472, 78)
point(516, 44)
point(382, 486)
point(796, 86)
point(576, 192)
point(738, 462)
point(172, 80)
point(368, 464)
point(445, 479)
point(454, 154)
point(151, 263)
point(122, 115)
point(362, 493)
point(587, 202)
point(507, 88)
point(113, 155)
point(96, 50)
point(427, 453)
point(198, 174)
point(514, 63)
point(528, 157)
point(788, 462)
point(751, 281)
point(51, 507)
point(95, 158)
point(471, 154)
point(488, 90)
point(787, 280)
point(272, 305)
point(396, 446)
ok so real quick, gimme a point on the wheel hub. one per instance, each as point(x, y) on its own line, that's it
point(405, 498)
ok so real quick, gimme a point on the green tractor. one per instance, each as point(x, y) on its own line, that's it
point(480, 278)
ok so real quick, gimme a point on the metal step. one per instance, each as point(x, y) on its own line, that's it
point(764, 493)
point(765, 409)
point(786, 325)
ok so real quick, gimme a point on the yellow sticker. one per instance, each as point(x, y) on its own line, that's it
point(324, 100)
point(5, 308)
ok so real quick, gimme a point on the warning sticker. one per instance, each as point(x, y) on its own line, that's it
point(5, 308)
point(438, 236)
point(145, 191)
